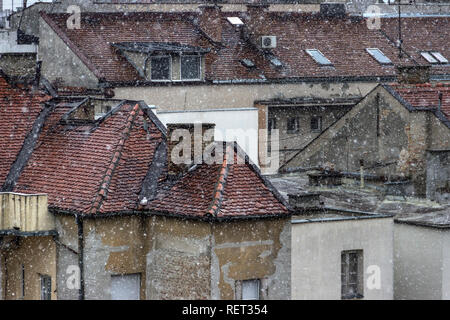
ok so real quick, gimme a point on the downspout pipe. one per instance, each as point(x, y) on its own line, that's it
point(79, 221)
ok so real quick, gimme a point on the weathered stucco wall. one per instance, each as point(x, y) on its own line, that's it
point(418, 262)
point(18, 65)
point(438, 176)
point(251, 250)
point(37, 255)
point(183, 98)
point(67, 69)
point(316, 256)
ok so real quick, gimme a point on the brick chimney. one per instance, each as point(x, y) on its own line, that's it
point(179, 162)
point(257, 24)
point(413, 74)
point(210, 21)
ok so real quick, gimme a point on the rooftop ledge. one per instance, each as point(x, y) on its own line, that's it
point(25, 213)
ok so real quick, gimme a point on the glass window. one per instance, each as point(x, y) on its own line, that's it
point(235, 21)
point(293, 125)
point(316, 124)
point(318, 56)
point(379, 55)
point(46, 287)
point(429, 57)
point(439, 57)
point(352, 274)
point(272, 124)
point(190, 67)
point(250, 290)
point(160, 68)
point(125, 287)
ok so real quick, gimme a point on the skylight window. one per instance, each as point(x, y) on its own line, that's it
point(248, 63)
point(378, 55)
point(235, 21)
point(434, 57)
point(318, 57)
point(276, 62)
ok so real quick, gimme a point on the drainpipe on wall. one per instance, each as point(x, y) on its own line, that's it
point(79, 221)
point(361, 170)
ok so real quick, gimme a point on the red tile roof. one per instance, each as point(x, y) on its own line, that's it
point(425, 95)
point(19, 108)
point(422, 34)
point(342, 41)
point(231, 189)
point(91, 169)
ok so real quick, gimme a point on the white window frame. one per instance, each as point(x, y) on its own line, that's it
point(381, 53)
point(439, 57)
point(309, 52)
point(170, 67)
point(427, 55)
point(199, 67)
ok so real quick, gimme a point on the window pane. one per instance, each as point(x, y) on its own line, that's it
point(125, 287)
point(318, 56)
point(250, 290)
point(379, 56)
point(46, 287)
point(190, 67)
point(160, 68)
point(351, 274)
point(292, 125)
point(429, 57)
point(440, 57)
point(316, 123)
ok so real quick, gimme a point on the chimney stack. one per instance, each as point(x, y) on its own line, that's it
point(332, 10)
point(210, 21)
point(413, 74)
point(183, 154)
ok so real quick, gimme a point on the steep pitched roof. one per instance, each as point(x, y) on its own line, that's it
point(19, 109)
point(233, 188)
point(342, 41)
point(92, 168)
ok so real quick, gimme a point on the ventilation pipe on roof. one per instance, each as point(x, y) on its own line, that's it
point(186, 145)
point(210, 21)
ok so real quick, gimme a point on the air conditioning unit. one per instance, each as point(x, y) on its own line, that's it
point(268, 42)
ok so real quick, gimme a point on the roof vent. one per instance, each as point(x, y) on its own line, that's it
point(332, 10)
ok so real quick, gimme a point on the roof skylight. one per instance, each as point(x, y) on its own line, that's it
point(236, 21)
point(434, 57)
point(378, 55)
point(248, 63)
point(318, 57)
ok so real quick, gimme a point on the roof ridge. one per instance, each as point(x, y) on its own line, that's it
point(116, 155)
point(220, 186)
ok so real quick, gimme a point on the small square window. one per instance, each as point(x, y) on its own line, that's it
point(293, 125)
point(250, 289)
point(160, 68)
point(46, 287)
point(190, 67)
point(316, 124)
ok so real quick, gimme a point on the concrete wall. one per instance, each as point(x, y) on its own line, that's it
point(59, 63)
point(419, 262)
point(446, 266)
point(316, 256)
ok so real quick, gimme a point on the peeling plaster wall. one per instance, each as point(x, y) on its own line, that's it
point(113, 246)
point(248, 250)
point(66, 257)
point(38, 256)
point(178, 259)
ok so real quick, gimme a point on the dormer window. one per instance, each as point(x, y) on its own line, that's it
point(190, 67)
point(160, 68)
